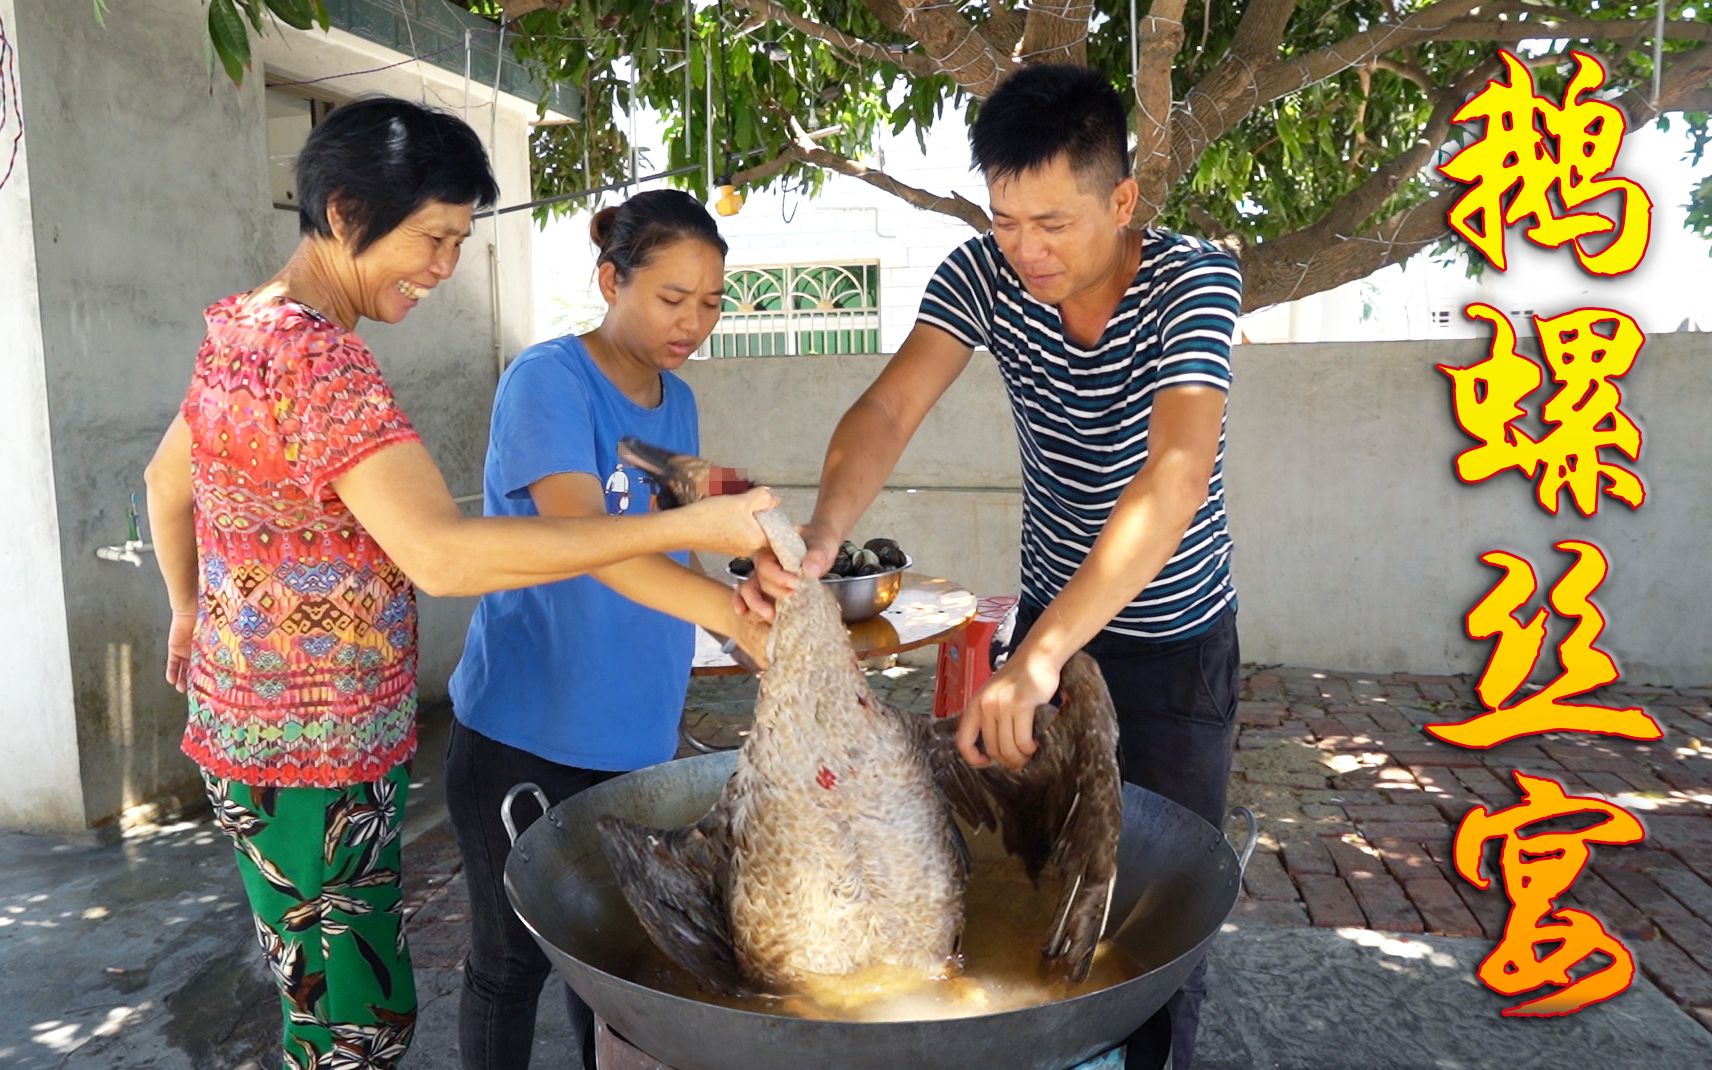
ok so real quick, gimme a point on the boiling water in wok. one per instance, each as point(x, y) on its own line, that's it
point(1005, 919)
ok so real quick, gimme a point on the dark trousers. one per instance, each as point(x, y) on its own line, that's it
point(506, 969)
point(1176, 705)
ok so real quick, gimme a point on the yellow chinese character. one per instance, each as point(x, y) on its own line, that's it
point(1534, 154)
point(1585, 350)
point(1585, 667)
point(1536, 869)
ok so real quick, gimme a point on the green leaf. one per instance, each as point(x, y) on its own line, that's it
point(231, 40)
point(255, 11)
point(322, 16)
point(747, 137)
point(298, 14)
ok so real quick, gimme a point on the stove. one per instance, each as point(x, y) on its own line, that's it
point(613, 1052)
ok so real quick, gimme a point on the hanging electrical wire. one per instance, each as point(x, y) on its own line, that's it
point(725, 93)
point(410, 29)
point(367, 70)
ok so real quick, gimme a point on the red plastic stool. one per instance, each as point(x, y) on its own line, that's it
point(964, 664)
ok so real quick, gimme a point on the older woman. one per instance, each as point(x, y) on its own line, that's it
point(293, 507)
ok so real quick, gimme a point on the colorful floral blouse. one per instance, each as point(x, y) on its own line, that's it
point(303, 669)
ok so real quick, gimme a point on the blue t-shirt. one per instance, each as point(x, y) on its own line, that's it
point(573, 671)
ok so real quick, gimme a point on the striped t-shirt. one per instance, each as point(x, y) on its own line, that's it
point(1081, 414)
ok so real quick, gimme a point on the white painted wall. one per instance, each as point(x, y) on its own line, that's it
point(149, 198)
point(1356, 546)
point(42, 792)
point(849, 222)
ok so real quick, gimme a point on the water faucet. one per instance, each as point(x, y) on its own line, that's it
point(134, 547)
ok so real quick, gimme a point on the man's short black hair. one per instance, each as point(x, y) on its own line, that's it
point(1045, 111)
point(381, 159)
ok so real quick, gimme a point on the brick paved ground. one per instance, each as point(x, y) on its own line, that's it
point(1357, 807)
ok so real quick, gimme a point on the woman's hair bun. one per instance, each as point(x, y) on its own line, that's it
point(600, 227)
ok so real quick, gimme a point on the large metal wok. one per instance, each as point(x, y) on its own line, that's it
point(1178, 879)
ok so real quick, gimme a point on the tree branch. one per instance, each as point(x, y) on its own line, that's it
point(1357, 206)
point(957, 48)
point(1057, 31)
point(802, 149)
point(1698, 100)
point(1272, 274)
point(514, 9)
point(888, 12)
point(1004, 29)
point(765, 172)
point(1288, 76)
point(856, 47)
point(1329, 253)
point(1208, 226)
point(1510, 31)
point(1407, 70)
point(1159, 37)
point(1261, 30)
point(1240, 82)
point(1684, 87)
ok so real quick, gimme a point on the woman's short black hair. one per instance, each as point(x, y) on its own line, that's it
point(381, 159)
point(1051, 110)
point(627, 234)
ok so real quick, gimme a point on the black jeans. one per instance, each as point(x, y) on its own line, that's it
point(1176, 705)
point(506, 970)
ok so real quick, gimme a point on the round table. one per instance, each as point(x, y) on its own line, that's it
point(928, 610)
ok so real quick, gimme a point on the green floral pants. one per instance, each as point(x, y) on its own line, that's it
point(321, 869)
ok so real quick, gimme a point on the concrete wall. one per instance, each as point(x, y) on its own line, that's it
point(150, 198)
point(42, 791)
point(1356, 546)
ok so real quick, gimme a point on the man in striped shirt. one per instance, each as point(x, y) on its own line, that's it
point(1114, 347)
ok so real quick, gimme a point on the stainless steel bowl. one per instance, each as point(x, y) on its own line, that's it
point(863, 598)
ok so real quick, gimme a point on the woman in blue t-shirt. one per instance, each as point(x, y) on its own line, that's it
point(569, 683)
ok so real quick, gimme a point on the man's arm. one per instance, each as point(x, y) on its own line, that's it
point(1145, 529)
point(865, 448)
point(654, 580)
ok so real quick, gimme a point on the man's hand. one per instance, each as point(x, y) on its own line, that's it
point(178, 636)
point(771, 581)
point(1001, 715)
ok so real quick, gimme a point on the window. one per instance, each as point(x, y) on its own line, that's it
point(290, 117)
point(799, 310)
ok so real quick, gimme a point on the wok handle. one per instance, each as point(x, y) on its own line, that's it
point(505, 808)
point(1253, 836)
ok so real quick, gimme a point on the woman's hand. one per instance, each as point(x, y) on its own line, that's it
point(178, 637)
point(726, 523)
